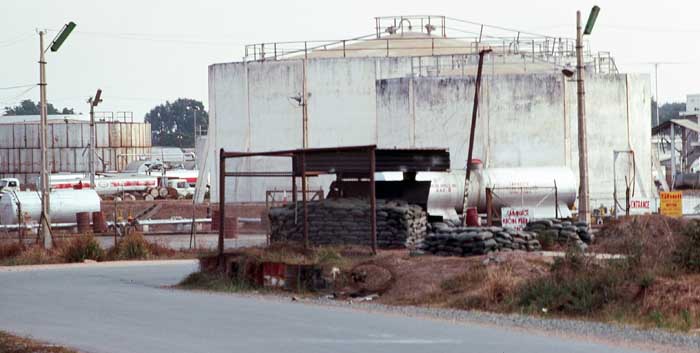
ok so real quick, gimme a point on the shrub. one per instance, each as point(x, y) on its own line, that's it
point(10, 250)
point(687, 253)
point(576, 285)
point(84, 247)
point(132, 247)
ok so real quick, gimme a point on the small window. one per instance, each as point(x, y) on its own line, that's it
point(13, 184)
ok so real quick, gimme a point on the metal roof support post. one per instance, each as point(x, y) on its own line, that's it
point(373, 199)
point(303, 200)
point(222, 205)
point(673, 156)
point(294, 190)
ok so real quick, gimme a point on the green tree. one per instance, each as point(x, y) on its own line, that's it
point(172, 123)
point(28, 107)
point(667, 111)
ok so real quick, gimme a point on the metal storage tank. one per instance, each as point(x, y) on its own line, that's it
point(512, 187)
point(410, 84)
point(64, 204)
point(119, 140)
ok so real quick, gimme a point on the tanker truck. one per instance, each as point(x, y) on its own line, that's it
point(127, 186)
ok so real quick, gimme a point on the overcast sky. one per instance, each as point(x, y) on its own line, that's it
point(142, 53)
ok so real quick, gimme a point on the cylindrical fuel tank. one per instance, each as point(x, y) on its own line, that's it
point(64, 204)
point(512, 187)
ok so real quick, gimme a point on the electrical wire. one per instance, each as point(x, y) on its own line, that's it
point(166, 38)
point(20, 86)
point(15, 99)
point(11, 42)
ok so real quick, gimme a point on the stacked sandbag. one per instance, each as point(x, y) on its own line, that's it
point(347, 222)
point(450, 239)
point(563, 232)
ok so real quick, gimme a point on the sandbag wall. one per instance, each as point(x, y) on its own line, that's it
point(451, 239)
point(347, 222)
point(563, 232)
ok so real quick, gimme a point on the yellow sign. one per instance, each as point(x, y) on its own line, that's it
point(671, 204)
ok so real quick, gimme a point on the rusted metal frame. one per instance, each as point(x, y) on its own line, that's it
point(290, 153)
point(373, 199)
point(222, 204)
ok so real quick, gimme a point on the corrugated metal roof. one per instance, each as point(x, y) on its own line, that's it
point(355, 160)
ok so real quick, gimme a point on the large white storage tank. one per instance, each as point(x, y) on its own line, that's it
point(402, 89)
point(64, 204)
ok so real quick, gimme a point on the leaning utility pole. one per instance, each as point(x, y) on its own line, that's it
point(584, 209)
point(45, 221)
point(472, 131)
point(93, 103)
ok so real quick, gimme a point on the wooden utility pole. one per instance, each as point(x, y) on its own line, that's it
point(475, 109)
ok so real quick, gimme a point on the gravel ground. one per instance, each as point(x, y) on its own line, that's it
point(649, 339)
point(656, 339)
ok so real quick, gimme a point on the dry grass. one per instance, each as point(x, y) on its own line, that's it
point(14, 344)
point(86, 247)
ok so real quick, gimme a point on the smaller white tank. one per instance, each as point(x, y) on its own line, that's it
point(63, 205)
point(512, 187)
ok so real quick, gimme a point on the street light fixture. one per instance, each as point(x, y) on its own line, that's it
point(584, 209)
point(45, 221)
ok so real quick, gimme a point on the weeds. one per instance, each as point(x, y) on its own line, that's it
point(132, 247)
point(84, 247)
point(687, 254)
point(213, 281)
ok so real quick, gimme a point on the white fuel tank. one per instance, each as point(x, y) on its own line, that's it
point(64, 204)
point(532, 187)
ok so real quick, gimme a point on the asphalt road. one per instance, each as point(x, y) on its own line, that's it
point(124, 309)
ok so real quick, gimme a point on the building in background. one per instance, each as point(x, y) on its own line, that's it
point(410, 84)
point(119, 140)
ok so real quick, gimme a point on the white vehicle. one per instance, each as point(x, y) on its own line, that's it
point(9, 184)
point(182, 186)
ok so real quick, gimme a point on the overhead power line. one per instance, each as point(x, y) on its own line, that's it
point(165, 38)
point(20, 86)
point(16, 98)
